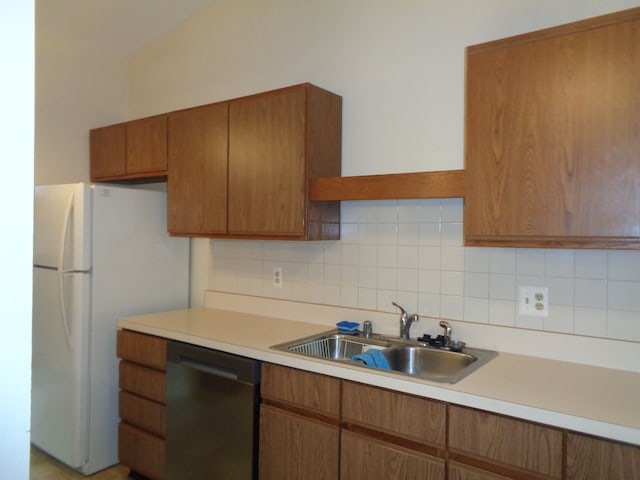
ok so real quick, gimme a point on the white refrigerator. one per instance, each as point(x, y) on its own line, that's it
point(101, 252)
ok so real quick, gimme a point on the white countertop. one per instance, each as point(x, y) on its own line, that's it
point(594, 400)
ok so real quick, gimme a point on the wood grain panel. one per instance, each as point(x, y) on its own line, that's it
point(505, 441)
point(293, 447)
point(197, 175)
point(143, 381)
point(458, 471)
point(442, 184)
point(598, 459)
point(406, 416)
point(267, 164)
point(144, 349)
point(298, 388)
point(142, 413)
point(147, 145)
point(108, 152)
point(551, 138)
point(364, 458)
point(142, 452)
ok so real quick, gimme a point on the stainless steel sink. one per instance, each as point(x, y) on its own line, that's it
point(406, 357)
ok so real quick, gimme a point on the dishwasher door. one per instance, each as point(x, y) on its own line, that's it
point(212, 414)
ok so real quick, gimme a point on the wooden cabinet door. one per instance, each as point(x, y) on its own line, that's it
point(267, 174)
point(147, 145)
point(405, 416)
point(364, 458)
point(108, 152)
point(599, 459)
point(458, 471)
point(507, 444)
point(551, 138)
point(293, 447)
point(197, 176)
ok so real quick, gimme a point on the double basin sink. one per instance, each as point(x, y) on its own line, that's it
point(407, 357)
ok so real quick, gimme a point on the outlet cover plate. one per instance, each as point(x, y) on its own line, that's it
point(534, 301)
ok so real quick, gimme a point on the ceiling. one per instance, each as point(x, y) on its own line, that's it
point(119, 26)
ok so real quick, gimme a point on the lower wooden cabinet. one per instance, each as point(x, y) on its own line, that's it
point(505, 445)
point(458, 471)
point(598, 459)
point(366, 458)
point(295, 447)
point(141, 451)
point(141, 433)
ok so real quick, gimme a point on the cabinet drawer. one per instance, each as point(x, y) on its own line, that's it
point(300, 389)
point(143, 381)
point(142, 413)
point(524, 446)
point(596, 458)
point(143, 349)
point(362, 457)
point(411, 418)
point(141, 451)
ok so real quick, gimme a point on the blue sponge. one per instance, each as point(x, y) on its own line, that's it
point(347, 327)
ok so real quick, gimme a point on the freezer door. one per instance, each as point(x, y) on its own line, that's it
point(62, 226)
point(59, 411)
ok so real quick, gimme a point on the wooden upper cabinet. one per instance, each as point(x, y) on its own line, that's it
point(147, 145)
point(197, 174)
point(278, 141)
point(551, 137)
point(108, 152)
point(135, 150)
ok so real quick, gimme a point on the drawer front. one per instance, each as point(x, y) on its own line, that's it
point(312, 391)
point(143, 349)
point(142, 413)
point(365, 458)
point(596, 458)
point(524, 446)
point(406, 416)
point(143, 381)
point(142, 452)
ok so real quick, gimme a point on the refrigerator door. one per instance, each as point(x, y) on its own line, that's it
point(61, 308)
point(62, 226)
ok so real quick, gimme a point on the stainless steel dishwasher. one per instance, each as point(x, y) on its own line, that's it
point(212, 414)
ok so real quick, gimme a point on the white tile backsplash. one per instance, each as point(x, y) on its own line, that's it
point(411, 251)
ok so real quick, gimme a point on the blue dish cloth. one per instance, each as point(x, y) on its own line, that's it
point(373, 358)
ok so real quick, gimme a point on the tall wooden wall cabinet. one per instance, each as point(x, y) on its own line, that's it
point(241, 168)
point(552, 137)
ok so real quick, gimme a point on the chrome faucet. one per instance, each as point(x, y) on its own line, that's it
point(447, 333)
point(405, 321)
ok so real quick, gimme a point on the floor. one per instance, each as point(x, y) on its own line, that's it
point(44, 467)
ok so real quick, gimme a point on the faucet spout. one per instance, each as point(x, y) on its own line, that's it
point(406, 320)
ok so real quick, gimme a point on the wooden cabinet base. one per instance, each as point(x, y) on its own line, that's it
point(366, 458)
point(294, 447)
point(141, 452)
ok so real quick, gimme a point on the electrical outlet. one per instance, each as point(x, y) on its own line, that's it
point(534, 301)
point(276, 279)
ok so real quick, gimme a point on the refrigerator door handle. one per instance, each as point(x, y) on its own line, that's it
point(61, 258)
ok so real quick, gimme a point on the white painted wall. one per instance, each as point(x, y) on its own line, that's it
point(16, 206)
point(78, 86)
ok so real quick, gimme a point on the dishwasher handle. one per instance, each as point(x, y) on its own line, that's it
point(214, 362)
